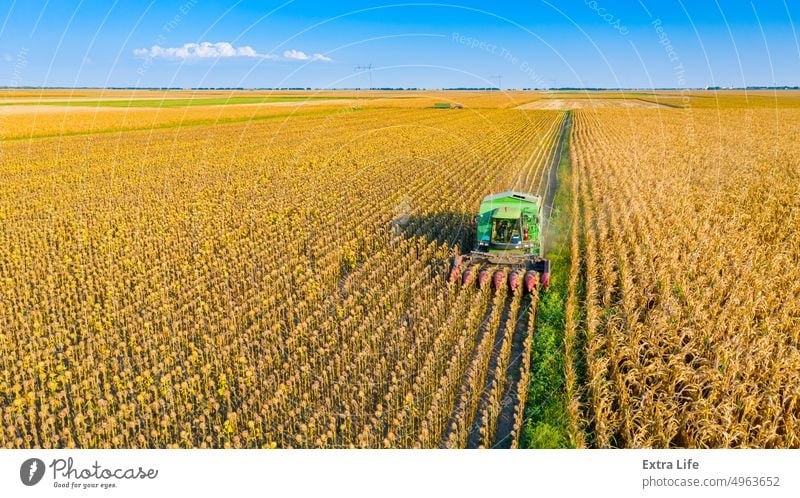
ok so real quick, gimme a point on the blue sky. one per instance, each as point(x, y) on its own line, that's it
point(531, 43)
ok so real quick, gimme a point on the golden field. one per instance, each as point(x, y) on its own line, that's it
point(259, 284)
point(33, 114)
point(273, 274)
point(687, 235)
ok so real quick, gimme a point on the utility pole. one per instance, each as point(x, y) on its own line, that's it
point(367, 68)
point(499, 78)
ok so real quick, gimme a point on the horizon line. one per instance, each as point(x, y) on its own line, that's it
point(484, 89)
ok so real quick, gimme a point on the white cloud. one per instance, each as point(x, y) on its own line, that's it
point(299, 55)
point(204, 50)
point(296, 55)
point(208, 50)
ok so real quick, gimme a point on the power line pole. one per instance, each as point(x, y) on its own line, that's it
point(368, 69)
point(499, 78)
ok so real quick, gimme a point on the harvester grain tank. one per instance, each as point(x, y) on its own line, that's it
point(509, 245)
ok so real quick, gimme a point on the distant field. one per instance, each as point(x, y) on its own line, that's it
point(169, 102)
point(53, 113)
point(686, 99)
point(589, 103)
point(40, 113)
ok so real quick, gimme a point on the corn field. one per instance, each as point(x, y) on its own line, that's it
point(686, 235)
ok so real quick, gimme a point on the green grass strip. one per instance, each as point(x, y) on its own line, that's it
point(546, 420)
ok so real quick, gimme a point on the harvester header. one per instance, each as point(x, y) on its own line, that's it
point(509, 242)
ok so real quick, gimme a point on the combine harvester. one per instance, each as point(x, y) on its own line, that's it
point(509, 245)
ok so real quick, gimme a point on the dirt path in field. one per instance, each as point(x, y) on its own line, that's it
point(589, 103)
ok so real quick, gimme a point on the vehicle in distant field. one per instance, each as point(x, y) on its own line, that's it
point(509, 244)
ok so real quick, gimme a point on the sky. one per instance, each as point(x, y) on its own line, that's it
point(466, 43)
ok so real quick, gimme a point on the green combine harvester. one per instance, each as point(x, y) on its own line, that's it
point(509, 245)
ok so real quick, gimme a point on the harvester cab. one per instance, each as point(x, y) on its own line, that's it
point(509, 244)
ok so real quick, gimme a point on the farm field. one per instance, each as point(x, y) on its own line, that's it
point(27, 114)
point(275, 283)
point(587, 103)
point(259, 274)
point(176, 102)
point(687, 231)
